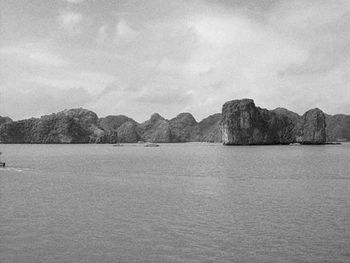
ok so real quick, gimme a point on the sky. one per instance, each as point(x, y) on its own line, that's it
point(137, 57)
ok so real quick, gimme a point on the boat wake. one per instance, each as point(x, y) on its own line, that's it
point(14, 169)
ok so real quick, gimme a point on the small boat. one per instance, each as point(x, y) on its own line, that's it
point(151, 145)
point(295, 144)
point(2, 164)
point(118, 145)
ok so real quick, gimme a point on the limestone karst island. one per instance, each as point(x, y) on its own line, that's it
point(241, 122)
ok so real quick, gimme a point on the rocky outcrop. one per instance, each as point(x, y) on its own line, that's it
point(127, 132)
point(88, 122)
point(156, 129)
point(338, 127)
point(241, 122)
point(68, 126)
point(245, 124)
point(48, 129)
point(4, 120)
point(119, 128)
point(184, 128)
point(313, 128)
point(113, 122)
point(295, 117)
point(17, 131)
point(210, 130)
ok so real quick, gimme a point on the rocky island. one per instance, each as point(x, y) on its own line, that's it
point(240, 123)
point(245, 124)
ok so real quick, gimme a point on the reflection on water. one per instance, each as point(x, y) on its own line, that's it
point(175, 203)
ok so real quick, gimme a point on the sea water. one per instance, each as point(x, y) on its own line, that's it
point(193, 202)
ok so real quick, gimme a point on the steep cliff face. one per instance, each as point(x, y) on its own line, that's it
point(88, 122)
point(237, 121)
point(241, 122)
point(338, 127)
point(245, 124)
point(281, 128)
point(295, 117)
point(113, 122)
point(118, 128)
point(84, 117)
point(4, 120)
point(210, 129)
point(48, 129)
point(68, 126)
point(184, 128)
point(313, 130)
point(127, 132)
point(17, 131)
point(156, 129)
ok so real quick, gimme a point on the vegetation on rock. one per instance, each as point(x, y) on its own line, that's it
point(245, 124)
point(240, 122)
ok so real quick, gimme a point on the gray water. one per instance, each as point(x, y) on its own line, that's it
point(192, 202)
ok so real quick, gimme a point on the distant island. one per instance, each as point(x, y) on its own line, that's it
point(239, 123)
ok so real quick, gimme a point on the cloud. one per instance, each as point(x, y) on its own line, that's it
point(34, 53)
point(124, 32)
point(139, 57)
point(75, 1)
point(93, 82)
point(179, 61)
point(41, 100)
point(321, 27)
point(70, 20)
point(164, 96)
point(102, 34)
point(241, 54)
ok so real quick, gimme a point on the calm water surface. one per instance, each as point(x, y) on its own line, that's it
point(176, 203)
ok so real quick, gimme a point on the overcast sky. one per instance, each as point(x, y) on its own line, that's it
point(139, 57)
